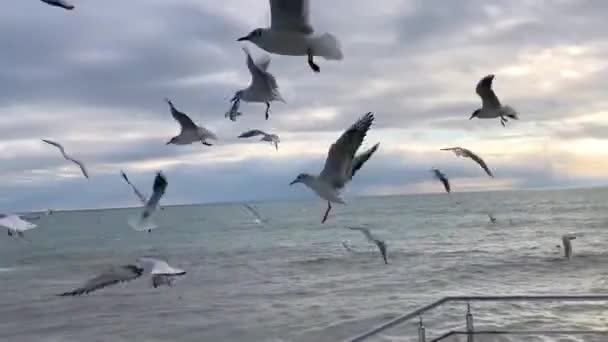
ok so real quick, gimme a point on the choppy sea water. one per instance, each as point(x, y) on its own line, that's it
point(290, 279)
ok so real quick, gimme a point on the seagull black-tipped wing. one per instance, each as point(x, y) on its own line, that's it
point(485, 91)
point(184, 120)
point(291, 15)
point(463, 152)
point(59, 3)
point(142, 197)
point(115, 276)
point(252, 133)
point(443, 178)
point(338, 168)
point(160, 185)
point(382, 247)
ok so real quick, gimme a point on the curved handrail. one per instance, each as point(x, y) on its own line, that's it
point(515, 298)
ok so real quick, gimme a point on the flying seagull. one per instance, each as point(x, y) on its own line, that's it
point(59, 3)
point(15, 224)
point(142, 198)
point(263, 86)
point(490, 105)
point(143, 223)
point(492, 218)
point(250, 209)
point(291, 34)
point(566, 238)
point(371, 238)
point(67, 157)
point(161, 272)
point(443, 178)
point(341, 164)
point(273, 139)
point(190, 132)
point(463, 152)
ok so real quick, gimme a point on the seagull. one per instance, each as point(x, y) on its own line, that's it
point(341, 164)
point(490, 105)
point(346, 245)
point(161, 272)
point(59, 3)
point(273, 139)
point(368, 235)
point(15, 224)
point(291, 34)
point(142, 198)
point(463, 152)
point(190, 132)
point(67, 157)
point(263, 86)
point(160, 185)
point(443, 178)
point(258, 217)
point(566, 238)
point(233, 112)
point(492, 218)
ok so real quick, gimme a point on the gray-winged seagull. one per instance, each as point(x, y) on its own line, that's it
point(490, 105)
point(67, 157)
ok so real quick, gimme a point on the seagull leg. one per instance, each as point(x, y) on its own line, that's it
point(20, 234)
point(9, 232)
point(326, 212)
point(503, 121)
point(311, 62)
point(267, 110)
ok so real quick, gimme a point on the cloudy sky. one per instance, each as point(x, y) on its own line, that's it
point(94, 79)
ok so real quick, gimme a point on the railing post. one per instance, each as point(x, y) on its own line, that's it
point(470, 329)
point(421, 331)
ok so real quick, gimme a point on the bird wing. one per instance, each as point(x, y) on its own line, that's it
point(442, 177)
point(253, 212)
point(59, 3)
point(252, 133)
point(80, 164)
point(484, 90)
point(463, 152)
point(365, 231)
point(382, 247)
point(363, 157)
point(160, 185)
point(58, 145)
point(184, 120)
point(260, 77)
point(338, 168)
point(15, 222)
point(291, 15)
point(115, 276)
point(159, 267)
point(142, 197)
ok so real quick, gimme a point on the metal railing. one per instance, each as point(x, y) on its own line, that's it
point(470, 332)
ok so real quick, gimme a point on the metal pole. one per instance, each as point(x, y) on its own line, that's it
point(470, 329)
point(421, 331)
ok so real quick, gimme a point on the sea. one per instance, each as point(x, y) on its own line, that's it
point(289, 278)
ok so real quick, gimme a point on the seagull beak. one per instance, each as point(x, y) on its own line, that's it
point(168, 143)
point(472, 116)
point(243, 39)
point(294, 182)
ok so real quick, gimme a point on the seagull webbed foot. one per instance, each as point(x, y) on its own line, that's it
point(311, 62)
point(206, 143)
point(326, 212)
point(267, 110)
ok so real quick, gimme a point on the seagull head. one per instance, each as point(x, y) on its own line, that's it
point(253, 36)
point(302, 178)
point(475, 114)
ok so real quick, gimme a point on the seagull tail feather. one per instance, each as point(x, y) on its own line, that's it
point(510, 113)
point(328, 47)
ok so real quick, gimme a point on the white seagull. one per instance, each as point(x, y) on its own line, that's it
point(15, 224)
point(143, 223)
point(291, 34)
point(161, 272)
point(67, 157)
point(59, 3)
point(566, 238)
point(262, 88)
point(463, 152)
point(273, 139)
point(490, 105)
point(142, 198)
point(371, 238)
point(341, 164)
point(190, 132)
